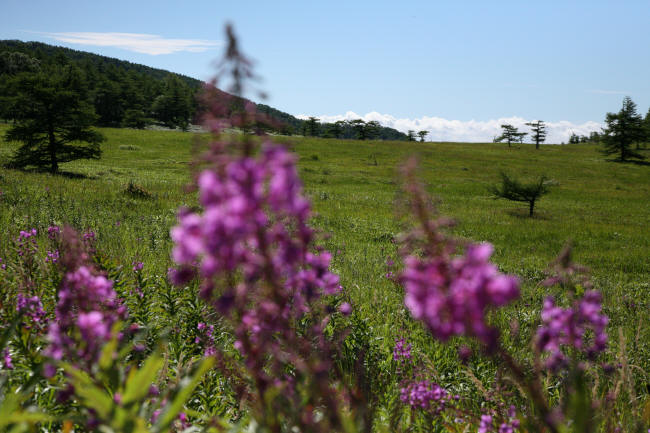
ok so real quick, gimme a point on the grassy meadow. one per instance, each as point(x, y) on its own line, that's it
point(603, 207)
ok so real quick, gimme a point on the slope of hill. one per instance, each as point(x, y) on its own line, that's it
point(130, 94)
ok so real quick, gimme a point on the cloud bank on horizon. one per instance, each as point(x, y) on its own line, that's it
point(137, 42)
point(467, 131)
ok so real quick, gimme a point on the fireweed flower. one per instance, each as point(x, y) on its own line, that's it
point(401, 351)
point(255, 222)
point(252, 249)
point(53, 232)
point(32, 308)
point(6, 359)
point(26, 243)
point(567, 327)
point(425, 395)
point(87, 305)
point(486, 424)
point(52, 256)
point(451, 294)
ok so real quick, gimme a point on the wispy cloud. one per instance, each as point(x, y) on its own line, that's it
point(608, 92)
point(138, 42)
point(467, 131)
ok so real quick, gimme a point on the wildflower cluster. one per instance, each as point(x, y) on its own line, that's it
point(568, 327)
point(26, 243)
point(402, 350)
point(487, 422)
point(425, 395)
point(451, 294)
point(252, 249)
point(86, 311)
point(32, 308)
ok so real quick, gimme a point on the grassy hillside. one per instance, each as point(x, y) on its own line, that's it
point(603, 207)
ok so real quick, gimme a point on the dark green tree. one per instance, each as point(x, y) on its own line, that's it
point(12, 63)
point(336, 129)
point(312, 127)
point(52, 118)
point(135, 118)
point(623, 129)
point(410, 135)
point(539, 132)
point(646, 127)
point(173, 108)
point(510, 134)
point(514, 190)
point(359, 127)
point(422, 134)
point(371, 129)
point(109, 105)
point(594, 137)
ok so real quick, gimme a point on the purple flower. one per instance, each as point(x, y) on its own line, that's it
point(345, 309)
point(401, 351)
point(424, 395)
point(87, 302)
point(52, 256)
point(451, 295)
point(53, 232)
point(486, 424)
point(137, 266)
point(6, 359)
point(567, 327)
point(32, 308)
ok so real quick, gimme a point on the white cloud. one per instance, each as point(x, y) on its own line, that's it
point(138, 42)
point(467, 131)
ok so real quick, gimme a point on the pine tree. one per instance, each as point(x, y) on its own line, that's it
point(510, 134)
point(371, 129)
point(623, 129)
point(359, 127)
point(539, 132)
point(422, 134)
point(410, 135)
point(514, 190)
point(312, 127)
point(52, 118)
point(173, 108)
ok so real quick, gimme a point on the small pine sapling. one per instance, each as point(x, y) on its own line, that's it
point(512, 189)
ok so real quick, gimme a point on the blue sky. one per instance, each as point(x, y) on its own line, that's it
point(456, 68)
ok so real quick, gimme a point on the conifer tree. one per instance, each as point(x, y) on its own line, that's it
point(514, 190)
point(422, 134)
point(623, 129)
point(312, 127)
point(52, 118)
point(359, 127)
point(539, 132)
point(410, 135)
point(510, 134)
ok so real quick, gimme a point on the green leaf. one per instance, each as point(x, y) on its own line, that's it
point(184, 394)
point(138, 383)
point(94, 397)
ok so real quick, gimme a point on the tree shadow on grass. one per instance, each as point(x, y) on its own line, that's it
point(523, 214)
point(630, 161)
point(62, 173)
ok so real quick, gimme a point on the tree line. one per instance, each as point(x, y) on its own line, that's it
point(120, 93)
point(124, 94)
point(357, 129)
point(626, 132)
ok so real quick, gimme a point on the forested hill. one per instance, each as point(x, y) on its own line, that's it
point(126, 94)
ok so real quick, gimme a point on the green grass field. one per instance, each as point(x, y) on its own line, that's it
point(602, 207)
